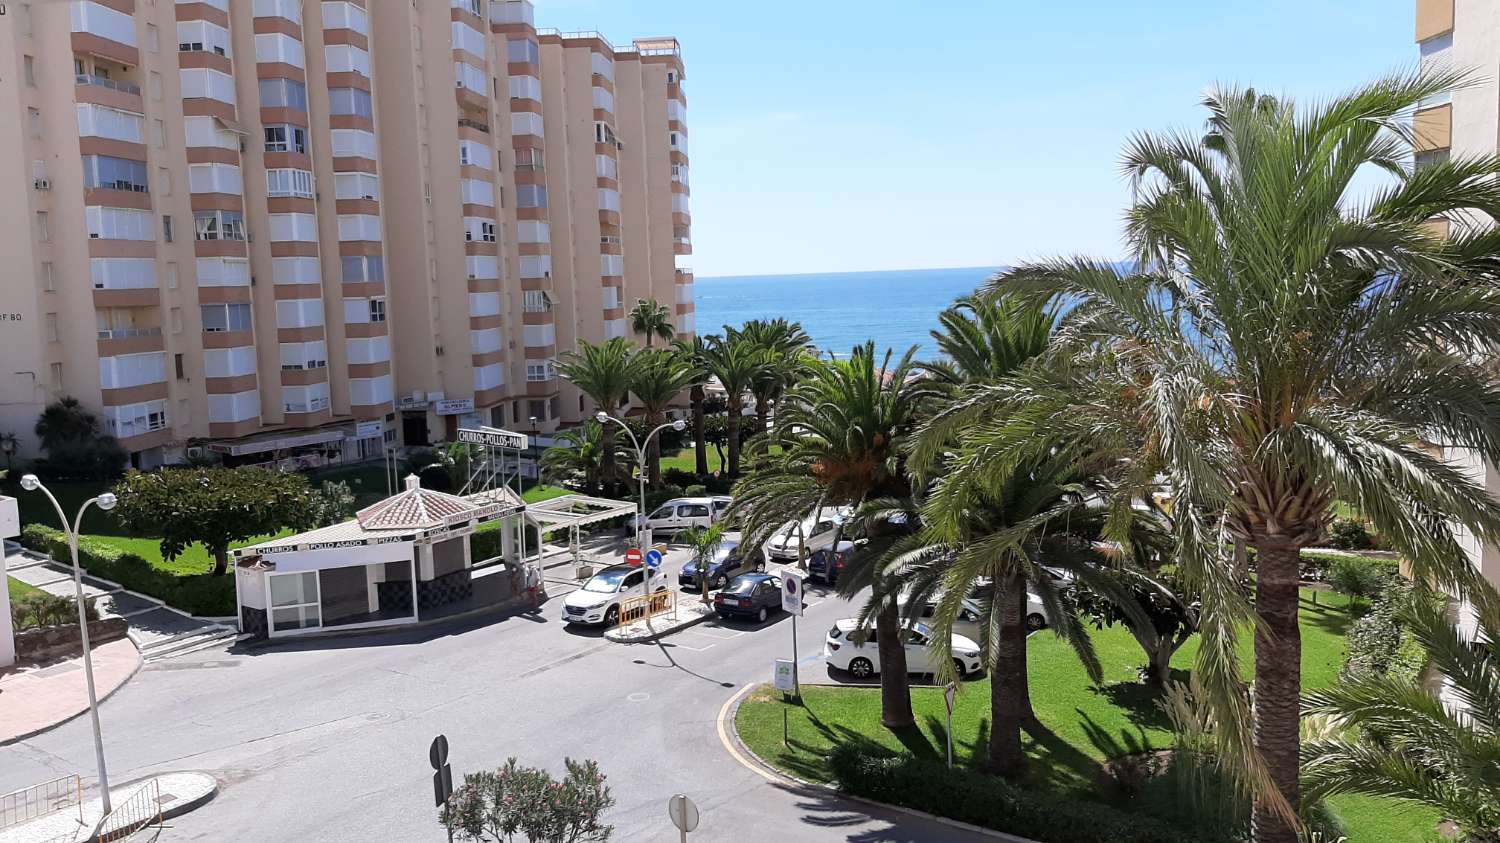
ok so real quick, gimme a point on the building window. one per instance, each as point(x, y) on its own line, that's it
point(106, 171)
point(153, 38)
point(538, 410)
point(288, 182)
point(360, 268)
point(49, 278)
point(29, 64)
point(57, 377)
point(219, 225)
point(177, 364)
point(167, 232)
point(283, 93)
point(53, 334)
point(171, 275)
point(34, 122)
point(174, 318)
point(347, 101)
point(531, 196)
point(377, 310)
point(163, 181)
point(159, 129)
point(286, 138)
point(218, 318)
point(43, 230)
point(153, 84)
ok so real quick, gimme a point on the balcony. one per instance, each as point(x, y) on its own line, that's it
point(658, 47)
point(474, 124)
point(109, 84)
point(129, 333)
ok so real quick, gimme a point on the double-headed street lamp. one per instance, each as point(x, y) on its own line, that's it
point(640, 462)
point(106, 502)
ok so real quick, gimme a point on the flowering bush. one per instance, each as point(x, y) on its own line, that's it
point(495, 806)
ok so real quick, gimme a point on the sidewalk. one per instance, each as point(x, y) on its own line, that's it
point(685, 614)
point(178, 794)
point(34, 698)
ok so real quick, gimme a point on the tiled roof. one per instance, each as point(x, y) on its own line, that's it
point(414, 509)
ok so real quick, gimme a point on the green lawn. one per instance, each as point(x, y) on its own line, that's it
point(18, 589)
point(543, 492)
point(686, 460)
point(1087, 724)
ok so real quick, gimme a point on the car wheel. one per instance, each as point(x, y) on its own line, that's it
point(762, 614)
point(862, 668)
point(958, 668)
point(1035, 621)
point(612, 616)
point(721, 581)
point(761, 565)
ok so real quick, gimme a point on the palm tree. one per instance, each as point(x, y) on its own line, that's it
point(1443, 755)
point(66, 420)
point(651, 318)
point(577, 462)
point(603, 373)
point(704, 543)
point(692, 352)
point(840, 430)
point(657, 377)
point(736, 363)
point(1274, 346)
point(784, 344)
point(986, 338)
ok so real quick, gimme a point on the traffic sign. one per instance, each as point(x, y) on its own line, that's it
point(786, 676)
point(949, 694)
point(791, 592)
point(442, 778)
point(634, 557)
point(653, 558)
point(683, 812)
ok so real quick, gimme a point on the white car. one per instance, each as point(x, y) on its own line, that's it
point(680, 514)
point(816, 532)
point(863, 659)
point(598, 601)
point(970, 617)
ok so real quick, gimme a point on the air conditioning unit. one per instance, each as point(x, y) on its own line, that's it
point(440, 351)
point(196, 452)
point(619, 144)
point(42, 184)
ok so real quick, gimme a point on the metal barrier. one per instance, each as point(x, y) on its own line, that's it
point(141, 810)
point(29, 803)
point(647, 605)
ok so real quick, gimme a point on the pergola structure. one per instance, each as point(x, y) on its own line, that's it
point(570, 512)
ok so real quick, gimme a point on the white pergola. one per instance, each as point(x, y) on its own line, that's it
point(570, 512)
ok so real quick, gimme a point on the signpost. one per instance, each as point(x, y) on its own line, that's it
point(684, 814)
point(442, 777)
point(950, 692)
point(634, 557)
point(791, 602)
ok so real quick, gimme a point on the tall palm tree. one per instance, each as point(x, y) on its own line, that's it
point(657, 377)
point(840, 430)
point(602, 372)
point(736, 363)
point(986, 338)
point(1276, 345)
point(577, 461)
point(1443, 755)
point(784, 344)
point(651, 318)
point(692, 352)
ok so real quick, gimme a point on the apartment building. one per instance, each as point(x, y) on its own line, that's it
point(287, 230)
point(1462, 35)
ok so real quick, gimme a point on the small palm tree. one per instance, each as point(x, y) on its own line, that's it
point(652, 319)
point(1278, 343)
point(657, 377)
point(577, 461)
point(65, 420)
point(603, 373)
point(692, 352)
point(704, 542)
point(1415, 746)
point(736, 363)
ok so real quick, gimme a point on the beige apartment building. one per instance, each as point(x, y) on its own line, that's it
point(1463, 35)
point(294, 231)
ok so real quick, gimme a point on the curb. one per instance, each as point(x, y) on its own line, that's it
point(656, 636)
point(140, 662)
point(727, 719)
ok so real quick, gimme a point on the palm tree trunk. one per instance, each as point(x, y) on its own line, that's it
point(1278, 683)
point(895, 689)
point(762, 414)
point(700, 447)
point(1010, 695)
point(736, 411)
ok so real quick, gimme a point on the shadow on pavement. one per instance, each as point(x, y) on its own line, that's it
point(827, 810)
point(394, 636)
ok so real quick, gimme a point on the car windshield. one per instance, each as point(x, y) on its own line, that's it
point(742, 585)
point(606, 581)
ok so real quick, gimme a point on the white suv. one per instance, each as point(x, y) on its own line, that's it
point(598, 601)
point(680, 514)
point(817, 532)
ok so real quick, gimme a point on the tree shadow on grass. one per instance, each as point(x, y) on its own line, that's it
point(1139, 701)
point(1334, 620)
point(1054, 765)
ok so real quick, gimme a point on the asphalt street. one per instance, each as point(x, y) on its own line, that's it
point(326, 739)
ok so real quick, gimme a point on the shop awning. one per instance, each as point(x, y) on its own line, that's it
point(576, 511)
point(276, 443)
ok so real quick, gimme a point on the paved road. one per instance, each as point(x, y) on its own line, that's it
point(327, 740)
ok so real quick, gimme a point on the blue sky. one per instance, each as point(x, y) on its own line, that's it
point(838, 136)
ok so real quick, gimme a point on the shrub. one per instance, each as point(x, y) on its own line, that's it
point(1361, 576)
point(1349, 534)
point(873, 773)
point(493, 805)
point(198, 594)
point(1379, 644)
point(679, 477)
point(657, 497)
point(37, 611)
point(697, 490)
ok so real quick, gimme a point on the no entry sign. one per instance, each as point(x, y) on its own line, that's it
point(634, 557)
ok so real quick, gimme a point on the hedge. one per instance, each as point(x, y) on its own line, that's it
point(1316, 564)
point(986, 801)
point(198, 594)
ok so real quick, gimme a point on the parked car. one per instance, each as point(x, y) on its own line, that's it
point(598, 601)
point(1036, 610)
point(680, 514)
point(863, 659)
point(726, 564)
point(827, 563)
point(816, 532)
point(749, 596)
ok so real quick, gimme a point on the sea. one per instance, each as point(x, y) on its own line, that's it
point(840, 310)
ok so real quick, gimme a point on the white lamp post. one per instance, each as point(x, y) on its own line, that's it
point(106, 502)
point(640, 462)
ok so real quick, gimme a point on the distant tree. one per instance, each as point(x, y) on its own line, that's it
point(704, 542)
point(602, 372)
point(657, 377)
point(65, 420)
point(652, 319)
point(783, 345)
point(577, 461)
point(331, 503)
point(213, 507)
point(737, 363)
point(1173, 619)
point(74, 444)
point(691, 350)
point(516, 803)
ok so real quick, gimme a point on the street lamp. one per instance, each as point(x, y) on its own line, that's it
point(105, 502)
point(640, 461)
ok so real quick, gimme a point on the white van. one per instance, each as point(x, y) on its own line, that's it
point(815, 532)
point(679, 514)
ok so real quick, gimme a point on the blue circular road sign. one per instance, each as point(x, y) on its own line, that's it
point(653, 558)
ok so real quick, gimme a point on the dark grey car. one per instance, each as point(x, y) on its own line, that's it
point(749, 596)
